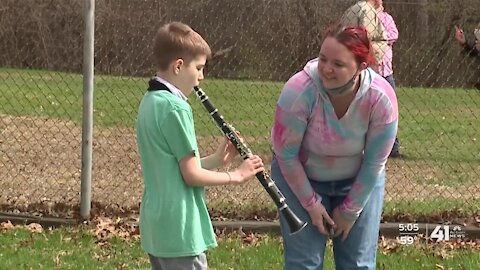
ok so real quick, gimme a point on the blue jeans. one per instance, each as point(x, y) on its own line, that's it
point(305, 249)
point(391, 80)
point(198, 262)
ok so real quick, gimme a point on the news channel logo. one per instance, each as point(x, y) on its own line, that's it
point(446, 233)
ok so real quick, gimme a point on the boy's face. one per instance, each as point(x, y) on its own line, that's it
point(189, 74)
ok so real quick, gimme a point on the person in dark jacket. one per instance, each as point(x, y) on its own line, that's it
point(471, 48)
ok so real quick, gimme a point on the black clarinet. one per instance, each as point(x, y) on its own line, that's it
point(294, 223)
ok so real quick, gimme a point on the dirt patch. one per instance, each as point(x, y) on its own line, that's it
point(41, 163)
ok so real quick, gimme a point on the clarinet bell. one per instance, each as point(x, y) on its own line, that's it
point(295, 224)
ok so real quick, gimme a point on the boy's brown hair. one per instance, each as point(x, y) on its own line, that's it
point(177, 40)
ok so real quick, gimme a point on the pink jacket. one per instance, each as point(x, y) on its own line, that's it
point(386, 67)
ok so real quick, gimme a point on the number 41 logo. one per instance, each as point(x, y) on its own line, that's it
point(441, 233)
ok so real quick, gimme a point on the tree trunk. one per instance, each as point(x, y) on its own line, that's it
point(422, 19)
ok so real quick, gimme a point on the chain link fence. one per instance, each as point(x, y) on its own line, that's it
point(257, 46)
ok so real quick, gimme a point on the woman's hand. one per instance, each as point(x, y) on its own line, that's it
point(320, 218)
point(342, 226)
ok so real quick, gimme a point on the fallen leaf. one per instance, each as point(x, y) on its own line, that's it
point(35, 228)
point(6, 225)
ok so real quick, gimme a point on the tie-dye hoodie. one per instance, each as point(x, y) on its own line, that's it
point(310, 142)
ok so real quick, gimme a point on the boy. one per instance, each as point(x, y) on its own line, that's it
point(175, 226)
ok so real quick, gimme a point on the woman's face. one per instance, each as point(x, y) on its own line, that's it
point(336, 65)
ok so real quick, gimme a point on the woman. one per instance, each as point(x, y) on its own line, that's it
point(335, 124)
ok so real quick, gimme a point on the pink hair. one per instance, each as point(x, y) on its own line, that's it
point(356, 40)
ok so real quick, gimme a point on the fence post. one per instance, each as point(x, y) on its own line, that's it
point(87, 119)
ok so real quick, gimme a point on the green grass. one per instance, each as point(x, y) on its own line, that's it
point(435, 124)
point(74, 248)
point(410, 257)
point(440, 124)
point(438, 128)
point(66, 249)
point(424, 207)
point(248, 106)
point(116, 99)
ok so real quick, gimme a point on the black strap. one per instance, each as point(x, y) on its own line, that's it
point(154, 85)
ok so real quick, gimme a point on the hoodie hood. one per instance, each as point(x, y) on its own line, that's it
point(311, 69)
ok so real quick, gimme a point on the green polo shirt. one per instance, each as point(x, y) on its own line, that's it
point(174, 220)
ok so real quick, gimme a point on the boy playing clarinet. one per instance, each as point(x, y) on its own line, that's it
point(175, 227)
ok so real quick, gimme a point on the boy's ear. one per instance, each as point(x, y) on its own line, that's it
point(177, 65)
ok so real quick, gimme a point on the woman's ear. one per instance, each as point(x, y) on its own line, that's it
point(363, 65)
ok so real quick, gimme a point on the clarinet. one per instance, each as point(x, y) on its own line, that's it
point(294, 223)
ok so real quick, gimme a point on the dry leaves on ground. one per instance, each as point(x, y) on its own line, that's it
point(443, 250)
point(4, 226)
point(32, 227)
point(105, 228)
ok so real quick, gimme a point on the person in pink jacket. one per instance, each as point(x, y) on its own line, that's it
point(386, 66)
point(334, 127)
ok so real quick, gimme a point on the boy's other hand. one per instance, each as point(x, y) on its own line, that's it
point(249, 168)
point(226, 151)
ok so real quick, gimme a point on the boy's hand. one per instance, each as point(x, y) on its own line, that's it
point(249, 168)
point(226, 151)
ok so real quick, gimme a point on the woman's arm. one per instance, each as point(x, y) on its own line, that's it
point(379, 141)
point(290, 124)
